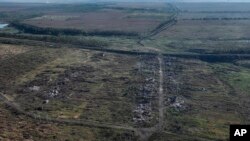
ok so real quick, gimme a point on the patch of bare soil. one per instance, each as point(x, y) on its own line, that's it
point(10, 50)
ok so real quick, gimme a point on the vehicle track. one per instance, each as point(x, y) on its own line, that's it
point(161, 95)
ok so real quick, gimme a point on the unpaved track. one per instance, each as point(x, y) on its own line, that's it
point(161, 94)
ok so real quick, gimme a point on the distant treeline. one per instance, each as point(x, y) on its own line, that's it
point(169, 8)
point(211, 19)
point(14, 16)
point(158, 10)
point(26, 28)
point(58, 39)
point(204, 57)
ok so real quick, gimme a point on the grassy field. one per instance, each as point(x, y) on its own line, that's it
point(83, 82)
point(197, 96)
point(18, 127)
point(208, 30)
point(78, 86)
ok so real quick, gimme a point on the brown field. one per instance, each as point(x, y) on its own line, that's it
point(213, 7)
point(212, 15)
point(140, 5)
point(208, 30)
point(104, 20)
point(9, 50)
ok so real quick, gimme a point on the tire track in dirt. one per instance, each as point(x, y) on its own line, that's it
point(161, 94)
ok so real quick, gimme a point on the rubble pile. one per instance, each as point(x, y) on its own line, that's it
point(147, 91)
point(174, 85)
point(178, 103)
point(47, 87)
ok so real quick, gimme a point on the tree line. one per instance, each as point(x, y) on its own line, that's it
point(26, 28)
point(58, 39)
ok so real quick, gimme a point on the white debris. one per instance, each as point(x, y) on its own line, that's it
point(178, 103)
point(34, 88)
point(46, 101)
point(54, 92)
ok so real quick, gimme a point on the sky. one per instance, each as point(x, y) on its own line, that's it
point(69, 1)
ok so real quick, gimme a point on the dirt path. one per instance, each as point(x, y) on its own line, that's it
point(161, 95)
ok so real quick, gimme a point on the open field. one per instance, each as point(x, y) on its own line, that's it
point(214, 7)
point(212, 30)
point(18, 127)
point(196, 97)
point(101, 20)
point(214, 16)
point(10, 50)
point(137, 5)
point(77, 87)
point(208, 30)
point(80, 83)
point(66, 75)
point(130, 18)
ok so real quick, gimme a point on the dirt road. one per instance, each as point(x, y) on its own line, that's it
point(161, 95)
